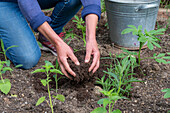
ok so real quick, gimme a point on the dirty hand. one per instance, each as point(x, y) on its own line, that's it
point(92, 49)
point(64, 52)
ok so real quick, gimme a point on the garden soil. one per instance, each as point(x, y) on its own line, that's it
point(82, 93)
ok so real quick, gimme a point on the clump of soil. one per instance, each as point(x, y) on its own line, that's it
point(81, 71)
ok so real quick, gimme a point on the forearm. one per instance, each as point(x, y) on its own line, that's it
point(91, 23)
point(49, 33)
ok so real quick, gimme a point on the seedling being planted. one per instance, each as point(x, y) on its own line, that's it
point(48, 68)
point(150, 39)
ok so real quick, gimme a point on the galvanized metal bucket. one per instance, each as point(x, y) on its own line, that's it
point(121, 13)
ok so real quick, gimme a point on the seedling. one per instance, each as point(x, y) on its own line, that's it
point(5, 50)
point(70, 34)
point(150, 39)
point(79, 24)
point(116, 85)
point(109, 101)
point(48, 68)
point(5, 84)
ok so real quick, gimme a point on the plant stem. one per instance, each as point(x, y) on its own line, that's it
point(56, 82)
point(51, 105)
point(1, 77)
point(139, 53)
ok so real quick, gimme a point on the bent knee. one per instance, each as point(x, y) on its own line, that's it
point(28, 62)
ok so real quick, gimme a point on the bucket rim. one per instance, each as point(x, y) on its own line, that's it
point(133, 1)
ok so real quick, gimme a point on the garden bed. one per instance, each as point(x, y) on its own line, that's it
point(82, 96)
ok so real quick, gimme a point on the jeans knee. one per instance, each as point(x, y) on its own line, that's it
point(28, 62)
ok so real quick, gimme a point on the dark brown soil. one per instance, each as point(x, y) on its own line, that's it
point(81, 71)
point(82, 93)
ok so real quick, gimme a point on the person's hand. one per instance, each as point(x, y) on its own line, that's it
point(64, 52)
point(92, 49)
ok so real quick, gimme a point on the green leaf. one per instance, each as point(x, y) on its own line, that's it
point(113, 75)
point(166, 90)
point(150, 45)
point(142, 39)
point(44, 82)
point(60, 97)
point(56, 64)
point(40, 100)
point(168, 53)
point(127, 30)
point(76, 17)
point(106, 102)
point(99, 110)
point(17, 66)
point(161, 55)
point(8, 63)
point(161, 61)
point(140, 27)
point(132, 26)
point(5, 86)
point(156, 44)
point(38, 71)
point(7, 69)
point(101, 100)
point(56, 71)
point(117, 111)
point(39, 44)
point(115, 98)
point(11, 47)
point(166, 57)
point(167, 94)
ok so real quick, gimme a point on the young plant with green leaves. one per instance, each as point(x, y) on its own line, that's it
point(147, 38)
point(119, 77)
point(80, 25)
point(109, 101)
point(48, 68)
point(70, 34)
point(5, 50)
point(5, 84)
point(117, 83)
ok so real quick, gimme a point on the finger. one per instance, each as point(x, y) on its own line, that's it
point(74, 59)
point(64, 71)
point(88, 55)
point(97, 66)
point(95, 59)
point(67, 67)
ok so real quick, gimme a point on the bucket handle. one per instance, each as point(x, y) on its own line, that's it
point(146, 6)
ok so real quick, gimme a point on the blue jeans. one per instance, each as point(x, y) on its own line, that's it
point(14, 29)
